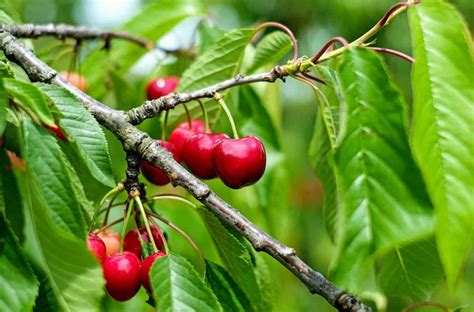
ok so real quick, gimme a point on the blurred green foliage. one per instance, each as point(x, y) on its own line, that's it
point(301, 224)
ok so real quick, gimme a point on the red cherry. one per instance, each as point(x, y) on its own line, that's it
point(75, 79)
point(57, 131)
point(197, 154)
point(239, 162)
point(154, 174)
point(161, 86)
point(122, 275)
point(145, 269)
point(132, 241)
point(111, 240)
point(96, 246)
point(182, 132)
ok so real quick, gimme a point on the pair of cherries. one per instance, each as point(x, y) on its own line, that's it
point(237, 162)
point(125, 272)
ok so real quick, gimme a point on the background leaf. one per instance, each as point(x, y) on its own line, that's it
point(384, 199)
point(442, 125)
point(406, 271)
point(226, 289)
point(221, 61)
point(19, 286)
point(3, 107)
point(88, 137)
point(177, 286)
point(270, 50)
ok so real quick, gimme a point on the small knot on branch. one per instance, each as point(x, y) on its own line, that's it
point(349, 303)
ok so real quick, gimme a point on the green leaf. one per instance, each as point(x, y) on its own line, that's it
point(221, 61)
point(3, 106)
point(442, 126)
point(270, 50)
point(31, 99)
point(234, 255)
point(321, 152)
point(208, 34)
point(88, 137)
point(74, 275)
point(226, 289)
point(152, 23)
point(413, 271)
point(19, 286)
point(177, 286)
point(10, 198)
point(384, 198)
point(47, 168)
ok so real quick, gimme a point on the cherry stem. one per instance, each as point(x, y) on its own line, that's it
point(165, 123)
point(394, 11)
point(328, 45)
point(174, 197)
point(130, 207)
point(112, 206)
point(204, 114)
point(109, 206)
point(105, 227)
point(163, 238)
point(394, 52)
point(188, 115)
point(119, 188)
point(285, 29)
point(145, 220)
point(182, 233)
point(218, 97)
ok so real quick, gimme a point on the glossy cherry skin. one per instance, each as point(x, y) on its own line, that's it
point(145, 269)
point(111, 240)
point(161, 86)
point(132, 241)
point(183, 132)
point(239, 162)
point(75, 79)
point(197, 154)
point(122, 275)
point(154, 174)
point(96, 246)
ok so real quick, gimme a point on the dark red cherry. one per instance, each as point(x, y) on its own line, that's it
point(197, 154)
point(96, 246)
point(239, 162)
point(132, 241)
point(161, 86)
point(145, 269)
point(154, 174)
point(182, 132)
point(122, 275)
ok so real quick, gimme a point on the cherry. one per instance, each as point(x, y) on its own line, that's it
point(132, 241)
point(154, 174)
point(161, 86)
point(75, 79)
point(57, 131)
point(145, 269)
point(183, 132)
point(197, 154)
point(111, 240)
point(122, 275)
point(96, 246)
point(239, 162)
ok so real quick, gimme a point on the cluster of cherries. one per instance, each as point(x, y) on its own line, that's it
point(237, 162)
point(124, 272)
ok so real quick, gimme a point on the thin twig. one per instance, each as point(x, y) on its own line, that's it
point(62, 31)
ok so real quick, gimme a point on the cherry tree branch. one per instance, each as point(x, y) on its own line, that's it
point(62, 31)
point(134, 140)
